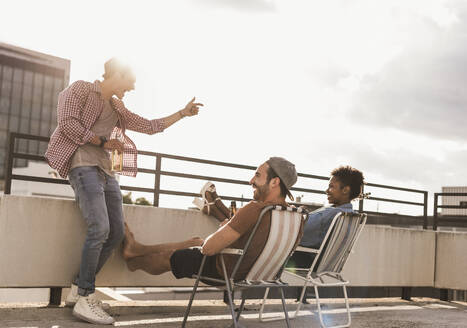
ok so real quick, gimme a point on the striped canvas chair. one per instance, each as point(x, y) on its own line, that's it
point(284, 234)
point(325, 271)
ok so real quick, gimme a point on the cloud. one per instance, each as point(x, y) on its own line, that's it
point(242, 5)
point(424, 90)
point(399, 164)
point(329, 74)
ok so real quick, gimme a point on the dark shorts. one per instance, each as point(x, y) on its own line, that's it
point(186, 262)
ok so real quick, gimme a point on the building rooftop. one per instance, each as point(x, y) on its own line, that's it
point(10, 50)
point(381, 313)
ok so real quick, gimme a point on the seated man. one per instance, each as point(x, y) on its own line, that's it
point(344, 186)
point(271, 183)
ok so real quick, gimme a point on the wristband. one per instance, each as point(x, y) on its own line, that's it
point(103, 141)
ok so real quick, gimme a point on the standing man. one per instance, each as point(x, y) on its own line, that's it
point(92, 123)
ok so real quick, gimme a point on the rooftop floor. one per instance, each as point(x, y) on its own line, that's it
point(381, 313)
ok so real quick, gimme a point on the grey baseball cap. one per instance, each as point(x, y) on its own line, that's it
point(285, 171)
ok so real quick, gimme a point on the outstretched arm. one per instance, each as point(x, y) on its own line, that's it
point(190, 109)
point(137, 123)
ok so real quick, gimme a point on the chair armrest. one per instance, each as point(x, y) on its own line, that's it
point(306, 249)
point(233, 251)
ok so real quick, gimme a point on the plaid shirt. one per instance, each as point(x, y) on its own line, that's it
point(79, 107)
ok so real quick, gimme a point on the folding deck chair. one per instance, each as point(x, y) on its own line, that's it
point(325, 270)
point(284, 234)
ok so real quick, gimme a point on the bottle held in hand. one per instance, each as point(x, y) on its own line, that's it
point(117, 161)
point(233, 208)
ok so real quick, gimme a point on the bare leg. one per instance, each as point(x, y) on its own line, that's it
point(214, 211)
point(156, 263)
point(154, 259)
point(132, 248)
point(219, 210)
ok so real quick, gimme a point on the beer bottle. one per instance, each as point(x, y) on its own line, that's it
point(233, 208)
point(117, 161)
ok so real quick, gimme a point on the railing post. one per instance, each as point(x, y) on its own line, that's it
point(9, 167)
point(157, 181)
point(360, 203)
point(435, 212)
point(444, 295)
point(425, 210)
point(406, 293)
point(55, 297)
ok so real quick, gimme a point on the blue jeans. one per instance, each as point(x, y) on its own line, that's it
point(100, 200)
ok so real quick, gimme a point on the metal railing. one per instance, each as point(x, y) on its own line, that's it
point(453, 218)
point(156, 191)
point(424, 204)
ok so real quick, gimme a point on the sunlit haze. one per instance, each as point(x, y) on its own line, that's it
point(378, 85)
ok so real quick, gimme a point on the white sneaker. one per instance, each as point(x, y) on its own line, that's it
point(87, 308)
point(73, 297)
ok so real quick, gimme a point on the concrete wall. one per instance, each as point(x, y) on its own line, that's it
point(41, 240)
point(451, 260)
point(385, 256)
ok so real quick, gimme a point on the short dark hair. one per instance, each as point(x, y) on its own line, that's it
point(348, 176)
point(114, 65)
point(271, 174)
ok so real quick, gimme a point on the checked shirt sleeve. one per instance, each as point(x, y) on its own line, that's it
point(71, 104)
point(137, 123)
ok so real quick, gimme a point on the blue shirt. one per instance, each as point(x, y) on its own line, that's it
point(318, 224)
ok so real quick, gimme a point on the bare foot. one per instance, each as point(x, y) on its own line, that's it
point(129, 245)
point(132, 265)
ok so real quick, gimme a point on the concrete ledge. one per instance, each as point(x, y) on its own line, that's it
point(451, 260)
point(386, 256)
point(41, 241)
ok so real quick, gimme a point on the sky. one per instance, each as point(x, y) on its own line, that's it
point(378, 85)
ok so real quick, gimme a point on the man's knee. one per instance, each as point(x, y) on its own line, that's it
point(98, 231)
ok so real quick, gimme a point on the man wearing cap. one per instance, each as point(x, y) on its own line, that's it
point(271, 184)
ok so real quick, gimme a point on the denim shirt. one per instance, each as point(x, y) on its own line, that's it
point(318, 224)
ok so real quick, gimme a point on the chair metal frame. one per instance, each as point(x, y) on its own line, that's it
point(327, 264)
point(231, 284)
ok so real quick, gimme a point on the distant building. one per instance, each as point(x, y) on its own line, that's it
point(29, 85)
point(454, 200)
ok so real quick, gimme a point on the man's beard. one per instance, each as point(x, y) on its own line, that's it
point(260, 192)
